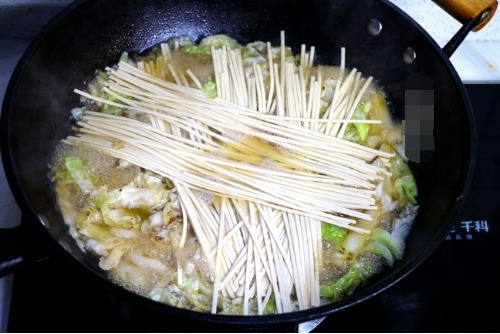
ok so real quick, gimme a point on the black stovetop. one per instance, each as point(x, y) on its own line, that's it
point(453, 291)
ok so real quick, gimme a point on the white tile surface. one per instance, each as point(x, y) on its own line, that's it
point(477, 59)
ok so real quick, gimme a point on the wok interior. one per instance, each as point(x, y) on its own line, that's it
point(95, 33)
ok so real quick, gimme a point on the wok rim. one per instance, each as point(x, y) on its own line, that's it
point(272, 320)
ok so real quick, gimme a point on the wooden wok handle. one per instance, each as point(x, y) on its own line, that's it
point(464, 10)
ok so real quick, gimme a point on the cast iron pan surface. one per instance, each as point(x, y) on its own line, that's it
point(90, 35)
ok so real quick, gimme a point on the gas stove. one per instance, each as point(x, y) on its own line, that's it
point(451, 291)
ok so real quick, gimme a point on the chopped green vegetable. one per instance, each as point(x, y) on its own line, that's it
point(196, 49)
point(102, 76)
point(210, 89)
point(62, 175)
point(380, 250)
point(358, 132)
point(99, 198)
point(79, 173)
point(395, 245)
point(399, 167)
point(95, 88)
point(407, 186)
point(382, 244)
point(404, 182)
point(387, 245)
point(362, 128)
point(358, 273)
point(220, 41)
point(109, 109)
point(351, 134)
point(333, 232)
point(206, 44)
point(271, 306)
point(247, 52)
point(166, 181)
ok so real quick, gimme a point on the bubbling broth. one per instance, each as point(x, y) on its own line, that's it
point(235, 179)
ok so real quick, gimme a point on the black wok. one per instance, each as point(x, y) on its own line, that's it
point(92, 34)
